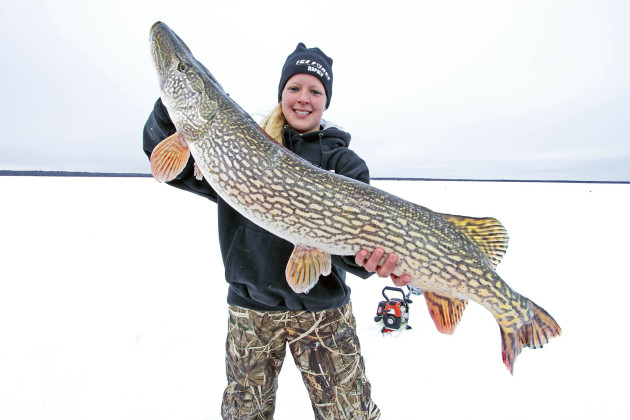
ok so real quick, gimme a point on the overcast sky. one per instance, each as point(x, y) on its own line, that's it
point(452, 89)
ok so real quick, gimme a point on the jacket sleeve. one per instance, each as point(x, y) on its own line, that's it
point(158, 127)
point(349, 164)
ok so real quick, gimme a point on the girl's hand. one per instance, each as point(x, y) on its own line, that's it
point(364, 259)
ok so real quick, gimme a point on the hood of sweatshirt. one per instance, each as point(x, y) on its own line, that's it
point(318, 147)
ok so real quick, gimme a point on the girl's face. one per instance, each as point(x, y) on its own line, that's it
point(303, 102)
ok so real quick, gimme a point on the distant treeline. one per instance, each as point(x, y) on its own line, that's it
point(74, 174)
point(141, 175)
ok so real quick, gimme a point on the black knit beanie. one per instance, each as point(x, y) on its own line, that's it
point(309, 61)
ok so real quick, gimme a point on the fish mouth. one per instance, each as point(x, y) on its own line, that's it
point(166, 47)
point(155, 24)
point(169, 50)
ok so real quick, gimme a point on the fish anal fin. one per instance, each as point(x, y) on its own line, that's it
point(445, 311)
point(486, 232)
point(169, 158)
point(305, 266)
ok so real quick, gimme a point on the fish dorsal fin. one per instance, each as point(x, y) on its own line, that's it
point(445, 311)
point(169, 158)
point(486, 232)
point(305, 266)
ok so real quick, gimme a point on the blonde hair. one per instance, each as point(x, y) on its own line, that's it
point(274, 123)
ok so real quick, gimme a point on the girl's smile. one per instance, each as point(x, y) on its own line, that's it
point(303, 102)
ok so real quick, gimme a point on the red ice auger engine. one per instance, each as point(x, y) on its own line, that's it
point(394, 312)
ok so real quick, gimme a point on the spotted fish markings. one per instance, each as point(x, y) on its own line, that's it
point(451, 258)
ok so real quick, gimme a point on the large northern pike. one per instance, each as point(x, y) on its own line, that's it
point(451, 258)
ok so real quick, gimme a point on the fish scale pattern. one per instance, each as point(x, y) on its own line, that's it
point(453, 257)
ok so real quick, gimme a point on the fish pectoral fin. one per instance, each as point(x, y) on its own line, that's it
point(486, 232)
point(305, 266)
point(445, 311)
point(169, 158)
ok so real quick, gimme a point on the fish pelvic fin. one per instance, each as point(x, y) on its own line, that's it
point(445, 311)
point(305, 266)
point(169, 158)
point(534, 334)
point(487, 233)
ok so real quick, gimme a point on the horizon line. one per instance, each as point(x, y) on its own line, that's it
point(85, 174)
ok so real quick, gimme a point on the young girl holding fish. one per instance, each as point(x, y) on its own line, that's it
point(265, 314)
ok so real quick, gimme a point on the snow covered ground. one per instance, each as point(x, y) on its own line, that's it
point(112, 306)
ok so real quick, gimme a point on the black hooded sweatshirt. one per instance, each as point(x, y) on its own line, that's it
point(255, 259)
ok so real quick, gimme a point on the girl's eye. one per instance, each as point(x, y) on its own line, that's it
point(316, 92)
point(293, 89)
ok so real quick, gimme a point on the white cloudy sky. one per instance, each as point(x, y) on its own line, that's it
point(451, 89)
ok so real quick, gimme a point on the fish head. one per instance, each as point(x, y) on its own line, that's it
point(190, 93)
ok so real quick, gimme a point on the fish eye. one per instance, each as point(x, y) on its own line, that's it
point(183, 67)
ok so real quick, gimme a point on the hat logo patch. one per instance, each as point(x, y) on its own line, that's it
point(314, 67)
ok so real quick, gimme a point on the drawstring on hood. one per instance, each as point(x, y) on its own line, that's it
point(321, 149)
point(287, 138)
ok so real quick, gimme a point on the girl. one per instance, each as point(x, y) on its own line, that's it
point(264, 313)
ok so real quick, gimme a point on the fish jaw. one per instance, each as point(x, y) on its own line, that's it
point(190, 93)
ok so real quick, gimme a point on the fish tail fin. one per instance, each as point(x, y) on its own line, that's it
point(534, 334)
point(511, 347)
point(540, 330)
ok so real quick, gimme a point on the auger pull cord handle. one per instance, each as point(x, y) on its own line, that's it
point(395, 289)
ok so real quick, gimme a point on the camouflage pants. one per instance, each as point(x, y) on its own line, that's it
point(325, 349)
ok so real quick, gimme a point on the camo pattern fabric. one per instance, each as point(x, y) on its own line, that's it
point(325, 348)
